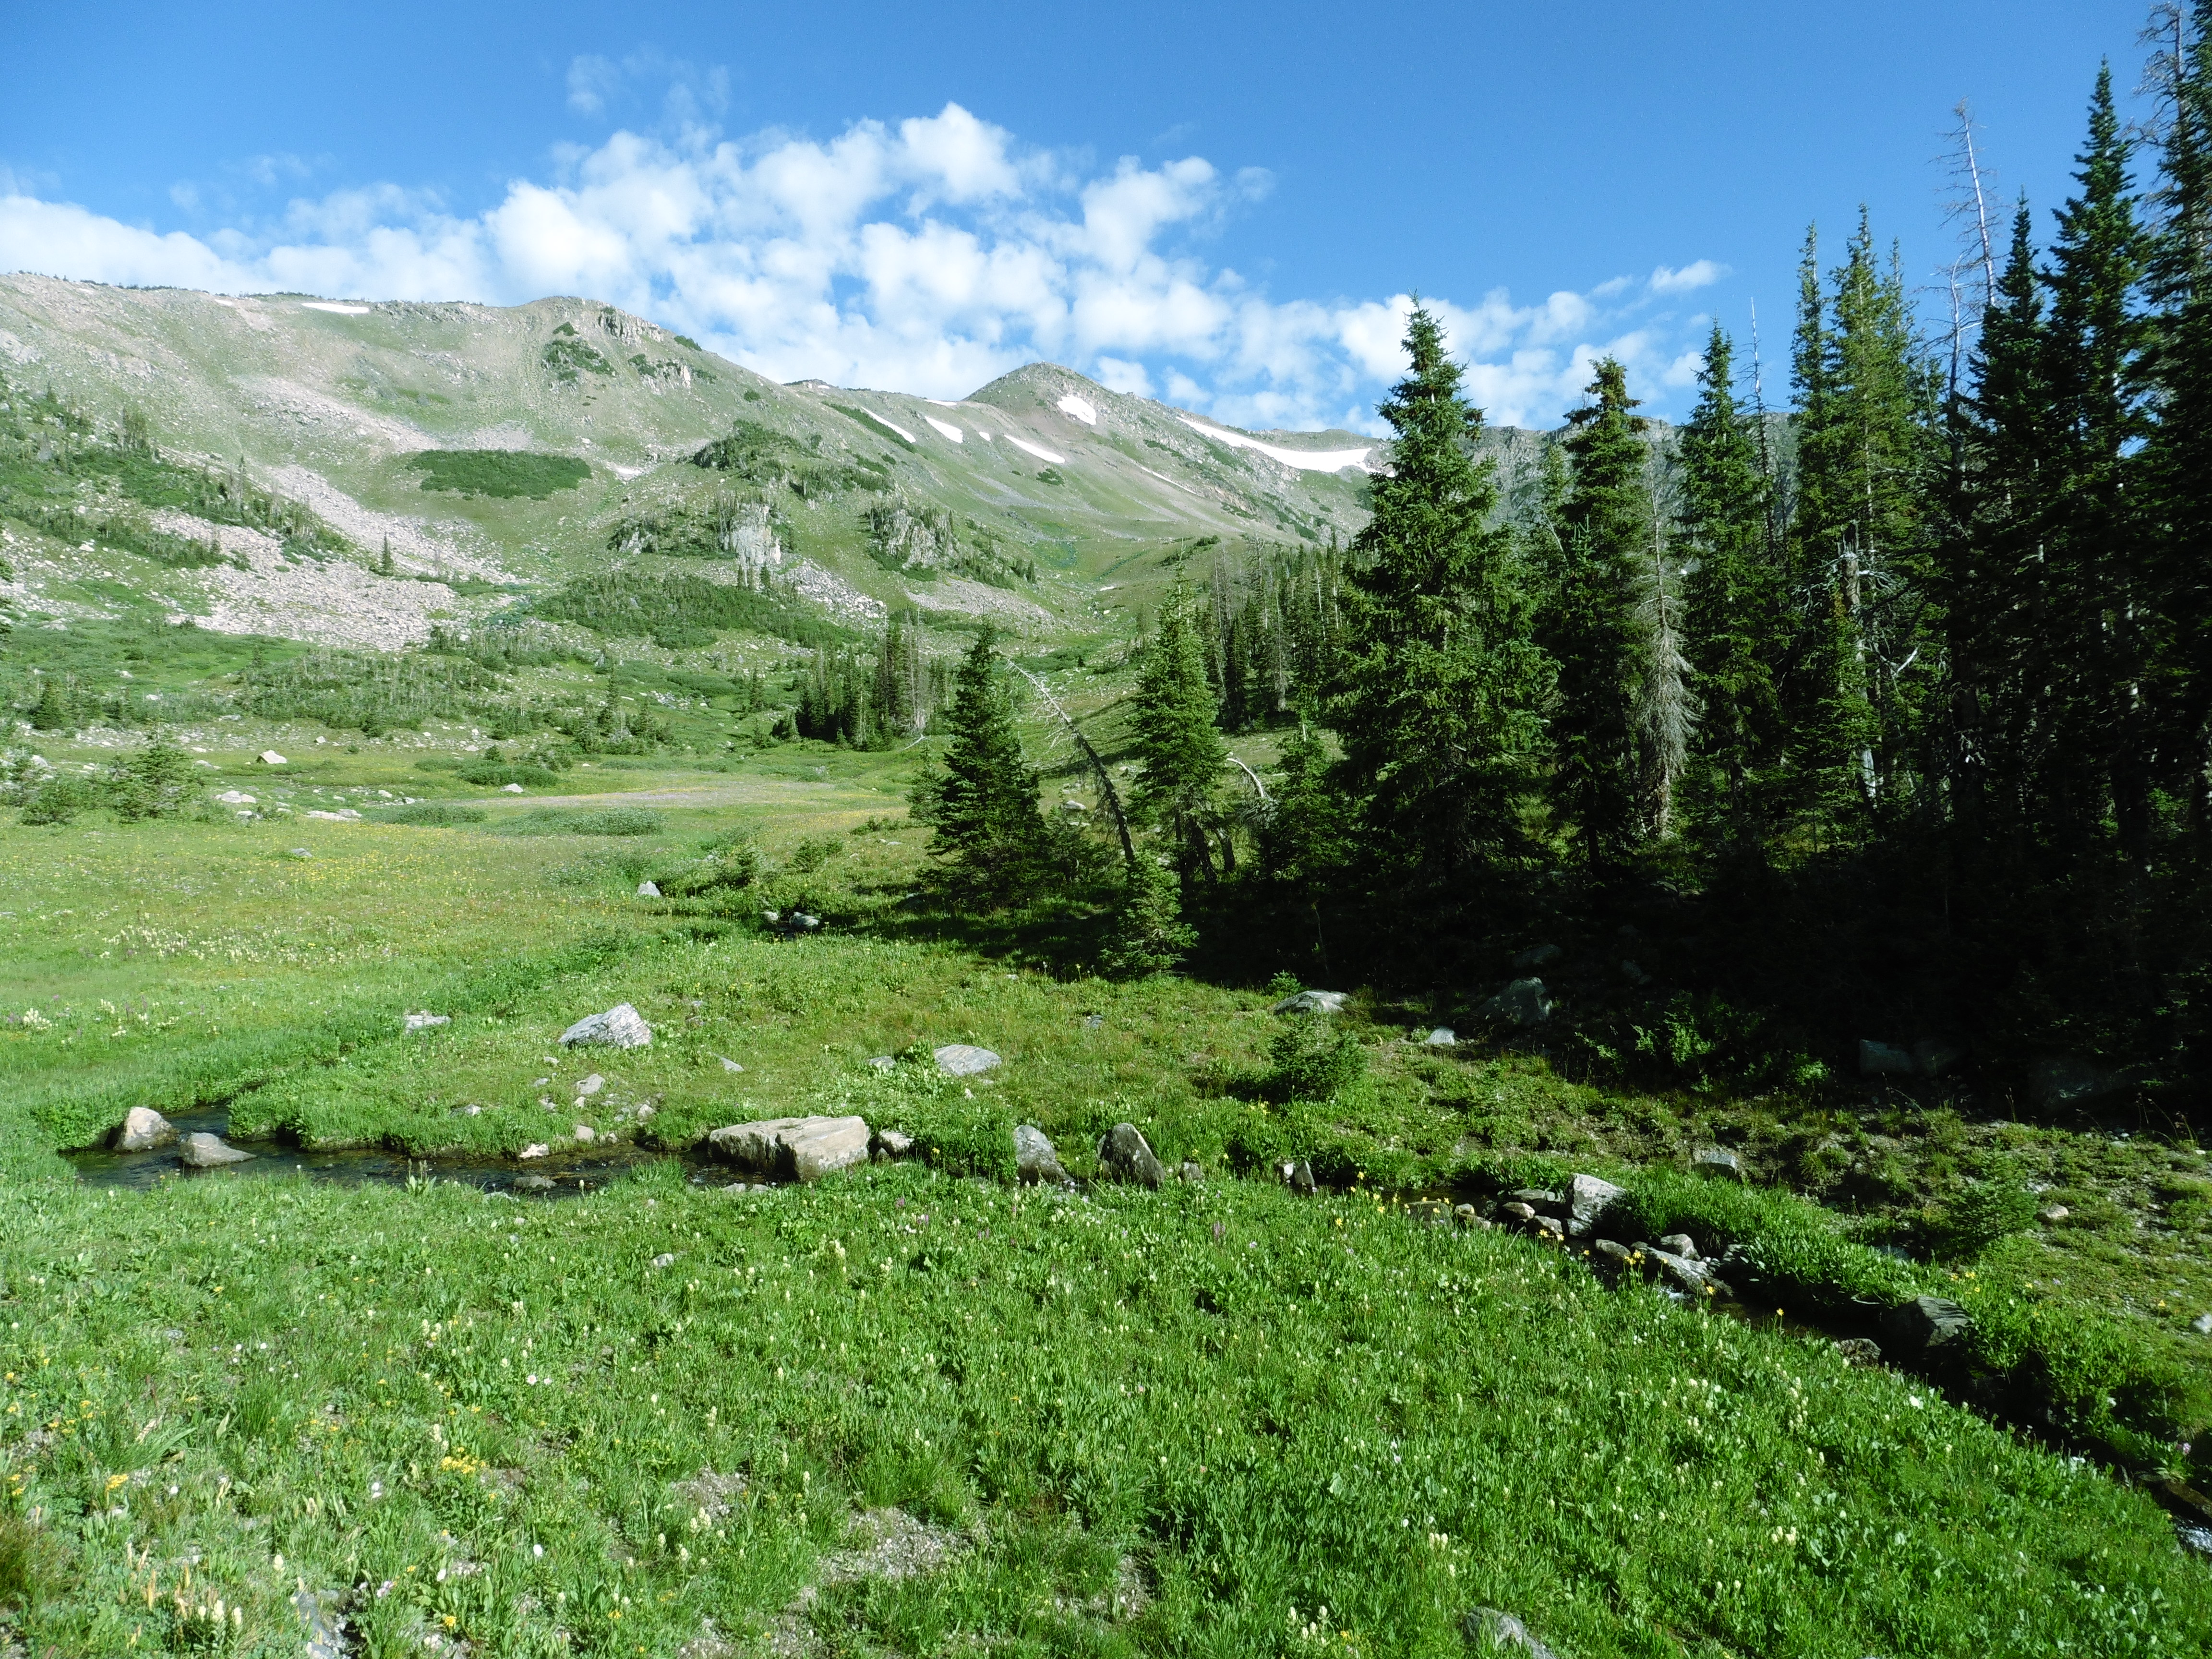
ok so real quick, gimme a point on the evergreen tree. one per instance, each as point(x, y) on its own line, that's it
point(1736, 601)
point(1590, 625)
point(51, 712)
point(1440, 687)
point(990, 840)
point(1177, 746)
point(1149, 934)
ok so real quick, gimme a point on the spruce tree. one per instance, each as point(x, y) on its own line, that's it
point(1589, 626)
point(1179, 749)
point(1149, 935)
point(1439, 689)
point(52, 711)
point(990, 842)
point(1736, 600)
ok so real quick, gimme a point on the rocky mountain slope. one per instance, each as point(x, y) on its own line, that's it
point(449, 459)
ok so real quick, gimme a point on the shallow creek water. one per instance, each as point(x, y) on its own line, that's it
point(569, 1173)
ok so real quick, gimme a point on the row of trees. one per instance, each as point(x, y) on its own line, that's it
point(1936, 640)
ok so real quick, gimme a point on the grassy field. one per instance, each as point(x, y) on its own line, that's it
point(916, 1408)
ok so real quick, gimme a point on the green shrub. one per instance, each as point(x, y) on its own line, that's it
point(1985, 1211)
point(154, 783)
point(439, 764)
point(429, 815)
point(502, 474)
point(58, 800)
point(494, 773)
point(610, 821)
point(1312, 1057)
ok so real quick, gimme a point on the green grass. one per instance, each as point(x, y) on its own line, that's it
point(1235, 1402)
point(500, 474)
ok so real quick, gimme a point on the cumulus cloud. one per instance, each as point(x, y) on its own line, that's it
point(929, 256)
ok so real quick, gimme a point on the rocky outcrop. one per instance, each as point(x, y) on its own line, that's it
point(621, 1027)
point(1125, 1155)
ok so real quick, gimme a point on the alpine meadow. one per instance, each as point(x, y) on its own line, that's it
point(649, 1011)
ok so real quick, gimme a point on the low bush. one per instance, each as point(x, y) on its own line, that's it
point(429, 815)
point(609, 821)
point(498, 774)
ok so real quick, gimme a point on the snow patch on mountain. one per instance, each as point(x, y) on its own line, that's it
point(1304, 460)
point(1037, 450)
point(1081, 408)
point(946, 428)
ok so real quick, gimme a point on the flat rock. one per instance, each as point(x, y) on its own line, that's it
point(1311, 1002)
point(799, 1148)
point(1680, 1244)
point(424, 1022)
point(1927, 1324)
point(2050, 1213)
point(1035, 1160)
point(894, 1144)
point(1588, 1198)
point(1691, 1278)
point(144, 1129)
point(1491, 1631)
point(510, 789)
point(1124, 1154)
point(1523, 1002)
point(236, 798)
point(1862, 1350)
point(1442, 1037)
point(1717, 1161)
point(592, 1085)
point(965, 1059)
point(271, 757)
point(207, 1151)
point(621, 1027)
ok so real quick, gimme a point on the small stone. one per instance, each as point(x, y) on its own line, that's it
point(1612, 1255)
point(648, 890)
point(236, 798)
point(2052, 1213)
point(1862, 1351)
point(801, 1148)
point(271, 757)
point(729, 1065)
point(665, 1259)
point(1691, 1278)
point(1588, 1198)
point(1680, 1244)
point(424, 1022)
point(144, 1129)
point(620, 1027)
point(533, 1183)
point(1442, 1037)
point(1536, 1198)
point(1124, 1154)
point(1035, 1160)
point(1924, 1325)
point(586, 1133)
point(300, 853)
point(964, 1059)
point(592, 1085)
point(1311, 1002)
point(1467, 1216)
point(894, 1143)
point(2202, 1324)
point(511, 789)
point(1493, 1631)
point(1523, 1002)
point(1881, 1059)
point(1519, 1212)
point(1717, 1161)
point(536, 1149)
point(1299, 1178)
point(207, 1151)
point(1191, 1172)
point(1092, 1021)
point(1551, 1227)
point(881, 1063)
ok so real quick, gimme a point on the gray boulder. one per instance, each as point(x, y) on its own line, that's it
point(1124, 1154)
point(1588, 1200)
point(1493, 1631)
point(1932, 1056)
point(893, 1145)
point(965, 1059)
point(621, 1027)
point(1523, 1002)
point(2202, 1324)
point(144, 1129)
point(1881, 1059)
point(1035, 1160)
point(424, 1021)
point(1442, 1037)
point(1311, 1002)
point(207, 1151)
point(1192, 1172)
point(1926, 1325)
point(1717, 1161)
point(648, 890)
point(1299, 1176)
point(1690, 1277)
point(1680, 1244)
point(797, 1148)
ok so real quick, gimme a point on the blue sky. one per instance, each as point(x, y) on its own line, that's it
point(1219, 204)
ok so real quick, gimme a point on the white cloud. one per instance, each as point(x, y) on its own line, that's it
point(1698, 273)
point(927, 257)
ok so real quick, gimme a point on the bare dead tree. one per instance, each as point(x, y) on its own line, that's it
point(1666, 706)
point(1097, 765)
point(1970, 277)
